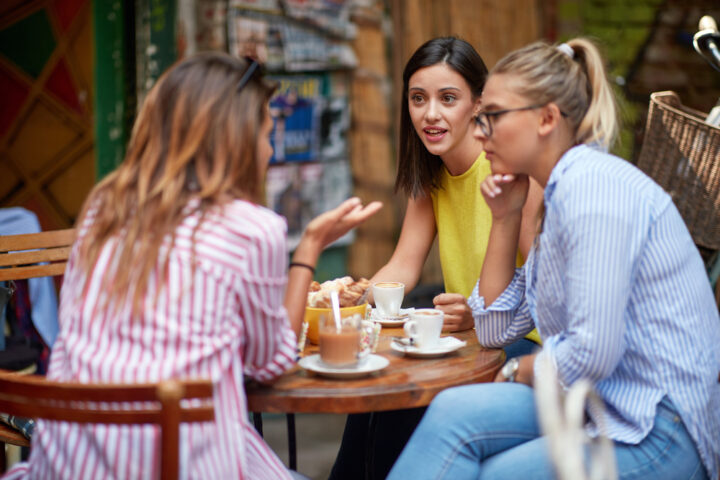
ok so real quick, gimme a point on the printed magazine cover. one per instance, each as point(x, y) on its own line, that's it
point(296, 108)
point(300, 192)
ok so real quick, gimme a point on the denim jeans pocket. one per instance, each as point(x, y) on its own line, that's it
point(668, 451)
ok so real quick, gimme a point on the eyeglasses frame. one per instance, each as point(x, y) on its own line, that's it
point(486, 126)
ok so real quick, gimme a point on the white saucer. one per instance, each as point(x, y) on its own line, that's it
point(445, 345)
point(391, 321)
point(372, 363)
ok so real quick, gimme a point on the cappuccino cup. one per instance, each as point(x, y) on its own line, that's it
point(388, 297)
point(424, 327)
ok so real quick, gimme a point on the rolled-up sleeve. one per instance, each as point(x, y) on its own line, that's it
point(507, 319)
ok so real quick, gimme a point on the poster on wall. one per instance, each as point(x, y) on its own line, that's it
point(295, 192)
point(250, 39)
point(286, 44)
point(300, 192)
point(296, 108)
point(332, 16)
point(306, 49)
point(336, 188)
point(335, 125)
point(260, 5)
point(257, 35)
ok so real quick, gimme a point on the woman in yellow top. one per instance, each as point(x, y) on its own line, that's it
point(441, 167)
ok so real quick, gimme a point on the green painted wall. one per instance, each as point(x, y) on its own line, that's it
point(124, 31)
point(110, 85)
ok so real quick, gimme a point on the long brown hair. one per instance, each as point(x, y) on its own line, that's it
point(194, 138)
point(418, 170)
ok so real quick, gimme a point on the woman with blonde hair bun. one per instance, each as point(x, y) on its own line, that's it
point(614, 285)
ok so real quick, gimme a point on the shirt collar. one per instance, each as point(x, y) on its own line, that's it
point(566, 162)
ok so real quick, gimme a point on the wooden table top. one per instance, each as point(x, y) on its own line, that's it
point(405, 383)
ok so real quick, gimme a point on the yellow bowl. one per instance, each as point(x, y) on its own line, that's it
point(312, 317)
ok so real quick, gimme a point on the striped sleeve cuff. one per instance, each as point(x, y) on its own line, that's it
point(506, 319)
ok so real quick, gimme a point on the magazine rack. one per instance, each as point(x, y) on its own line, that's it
point(682, 153)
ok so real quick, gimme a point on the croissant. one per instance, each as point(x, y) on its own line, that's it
point(349, 292)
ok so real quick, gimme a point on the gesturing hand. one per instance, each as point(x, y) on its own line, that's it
point(331, 225)
point(505, 194)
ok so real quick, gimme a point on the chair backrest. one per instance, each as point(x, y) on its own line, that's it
point(680, 152)
point(153, 403)
point(35, 254)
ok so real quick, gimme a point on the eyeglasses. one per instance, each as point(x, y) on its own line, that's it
point(484, 119)
point(249, 72)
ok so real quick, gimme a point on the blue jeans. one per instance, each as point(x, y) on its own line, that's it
point(372, 442)
point(520, 347)
point(490, 431)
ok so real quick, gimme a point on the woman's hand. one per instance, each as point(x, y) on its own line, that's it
point(320, 232)
point(525, 372)
point(331, 225)
point(457, 314)
point(505, 194)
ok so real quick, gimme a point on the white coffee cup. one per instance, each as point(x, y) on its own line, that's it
point(388, 297)
point(424, 327)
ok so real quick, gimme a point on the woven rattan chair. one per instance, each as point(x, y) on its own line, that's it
point(682, 154)
point(160, 404)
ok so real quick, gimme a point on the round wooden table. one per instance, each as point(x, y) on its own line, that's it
point(405, 383)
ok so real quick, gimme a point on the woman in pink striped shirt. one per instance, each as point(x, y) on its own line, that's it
point(179, 272)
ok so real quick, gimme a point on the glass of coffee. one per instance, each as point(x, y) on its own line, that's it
point(343, 347)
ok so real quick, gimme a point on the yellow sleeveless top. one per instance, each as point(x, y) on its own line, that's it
point(463, 222)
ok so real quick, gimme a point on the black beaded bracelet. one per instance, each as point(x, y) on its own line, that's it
point(304, 265)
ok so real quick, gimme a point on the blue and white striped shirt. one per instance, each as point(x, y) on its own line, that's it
point(620, 296)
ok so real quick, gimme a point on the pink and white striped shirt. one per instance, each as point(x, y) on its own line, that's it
point(221, 321)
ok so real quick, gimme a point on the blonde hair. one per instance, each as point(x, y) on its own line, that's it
point(194, 138)
point(577, 85)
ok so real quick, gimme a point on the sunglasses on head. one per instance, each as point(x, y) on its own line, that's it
point(253, 66)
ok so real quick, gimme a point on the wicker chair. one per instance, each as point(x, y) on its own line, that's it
point(682, 154)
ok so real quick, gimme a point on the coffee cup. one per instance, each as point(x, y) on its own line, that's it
point(347, 346)
point(424, 327)
point(388, 297)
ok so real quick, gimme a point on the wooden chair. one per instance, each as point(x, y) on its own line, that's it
point(32, 396)
point(34, 255)
point(29, 256)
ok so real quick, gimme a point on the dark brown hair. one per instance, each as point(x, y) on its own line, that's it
point(418, 169)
